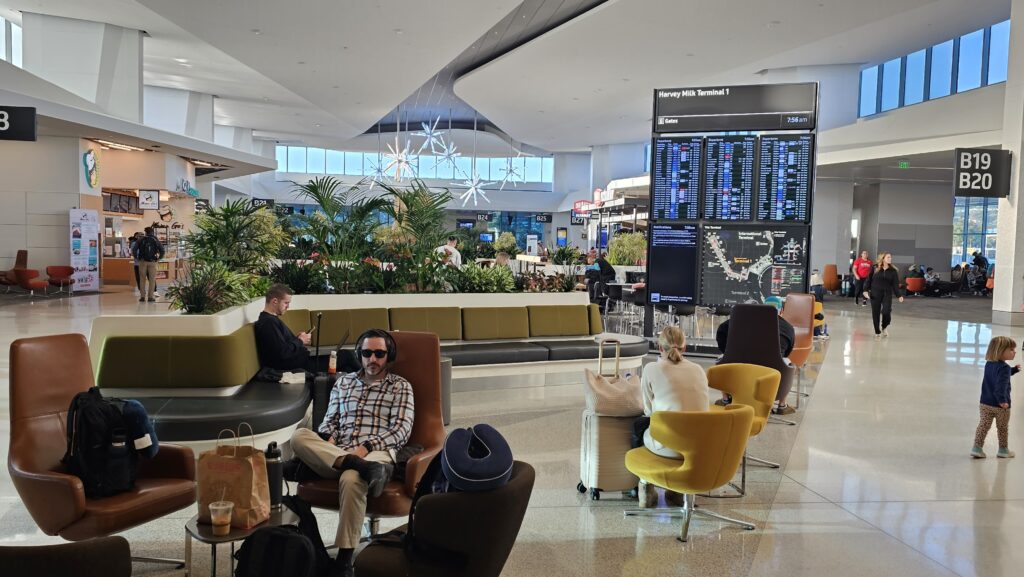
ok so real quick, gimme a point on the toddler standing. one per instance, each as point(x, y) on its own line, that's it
point(995, 396)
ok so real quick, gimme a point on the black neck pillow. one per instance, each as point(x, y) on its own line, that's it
point(476, 459)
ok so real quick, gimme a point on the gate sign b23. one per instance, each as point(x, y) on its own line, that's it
point(981, 172)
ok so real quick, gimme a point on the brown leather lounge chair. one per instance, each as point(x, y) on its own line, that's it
point(46, 372)
point(799, 311)
point(101, 557)
point(419, 361)
point(754, 339)
point(476, 530)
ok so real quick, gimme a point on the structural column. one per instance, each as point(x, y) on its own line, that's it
point(102, 63)
point(179, 111)
point(1009, 282)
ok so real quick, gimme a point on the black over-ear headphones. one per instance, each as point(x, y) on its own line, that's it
point(389, 342)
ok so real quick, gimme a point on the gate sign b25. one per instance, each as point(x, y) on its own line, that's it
point(982, 172)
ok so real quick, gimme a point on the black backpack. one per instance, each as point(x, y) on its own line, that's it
point(321, 560)
point(99, 451)
point(149, 250)
point(281, 551)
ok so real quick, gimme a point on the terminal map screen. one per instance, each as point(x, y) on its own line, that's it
point(672, 265)
point(675, 178)
point(784, 178)
point(748, 263)
point(729, 177)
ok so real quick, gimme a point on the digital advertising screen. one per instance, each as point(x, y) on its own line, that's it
point(672, 263)
point(729, 177)
point(748, 263)
point(675, 178)
point(785, 178)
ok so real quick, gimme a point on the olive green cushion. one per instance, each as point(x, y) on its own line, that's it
point(298, 320)
point(179, 362)
point(336, 323)
point(445, 322)
point(484, 323)
point(559, 320)
point(596, 323)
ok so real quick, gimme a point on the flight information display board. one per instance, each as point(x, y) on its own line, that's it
point(784, 177)
point(729, 177)
point(748, 263)
point(675, 178)
point(672, 264)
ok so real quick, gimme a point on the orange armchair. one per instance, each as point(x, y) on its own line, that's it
point(799, 311)
point(27, 279)
point(61, 276)
point(831, 278)
point(915, 285)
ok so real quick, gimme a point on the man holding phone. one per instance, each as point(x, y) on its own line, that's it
point(276, 346)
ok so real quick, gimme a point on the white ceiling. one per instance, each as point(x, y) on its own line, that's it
point(591, 80)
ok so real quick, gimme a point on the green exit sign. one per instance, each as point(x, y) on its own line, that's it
point(904, 164)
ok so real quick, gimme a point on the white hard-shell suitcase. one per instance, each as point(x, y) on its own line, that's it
point(603, 448)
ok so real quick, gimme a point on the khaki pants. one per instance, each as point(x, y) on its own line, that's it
point(320, 456)
point(147, 274)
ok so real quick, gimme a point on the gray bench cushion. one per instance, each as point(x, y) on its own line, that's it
point(587, 349)
point(494, 353)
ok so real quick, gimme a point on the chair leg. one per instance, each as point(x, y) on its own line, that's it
point(778, 421)
point(684, 531)
point(178, 563)
point(706, 513)
point(762, 462)
point(741, 489)
point(799, 384)
point(687, 512)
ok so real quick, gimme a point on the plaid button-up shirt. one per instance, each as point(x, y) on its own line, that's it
point(379, 413)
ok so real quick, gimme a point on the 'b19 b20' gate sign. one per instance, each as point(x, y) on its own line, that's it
point(982, 172)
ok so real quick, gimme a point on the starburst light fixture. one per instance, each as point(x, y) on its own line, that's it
point(400, 161)
point(432, 137)
point(474, 188)
point(512, 172)
point(448, 154)
point(377, 174)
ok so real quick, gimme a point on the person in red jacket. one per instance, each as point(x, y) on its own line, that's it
point(861, 271)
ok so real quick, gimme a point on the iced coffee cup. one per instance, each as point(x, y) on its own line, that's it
point(220, 517)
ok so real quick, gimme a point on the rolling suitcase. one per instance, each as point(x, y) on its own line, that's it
point(603, 448)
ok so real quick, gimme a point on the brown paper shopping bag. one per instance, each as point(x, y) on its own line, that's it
point(237, 473)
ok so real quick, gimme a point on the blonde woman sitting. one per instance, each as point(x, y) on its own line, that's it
point(670, 384)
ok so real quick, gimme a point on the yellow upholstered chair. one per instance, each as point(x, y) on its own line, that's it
point(712, 445)
point(751, 385)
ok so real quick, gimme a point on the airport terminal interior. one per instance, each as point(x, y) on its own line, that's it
point(567, 215)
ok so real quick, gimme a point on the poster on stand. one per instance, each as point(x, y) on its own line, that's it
point(85, 252)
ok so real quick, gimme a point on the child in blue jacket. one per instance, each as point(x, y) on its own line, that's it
point(995, 396)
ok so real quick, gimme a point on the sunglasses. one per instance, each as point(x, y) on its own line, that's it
point(367, 353)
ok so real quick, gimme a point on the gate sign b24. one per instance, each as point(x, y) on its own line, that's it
point(982, 172)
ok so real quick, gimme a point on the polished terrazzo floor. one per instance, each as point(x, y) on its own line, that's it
point(876, 479)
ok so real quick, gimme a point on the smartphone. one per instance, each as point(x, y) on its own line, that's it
point(311, 329)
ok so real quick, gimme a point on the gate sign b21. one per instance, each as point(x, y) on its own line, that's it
point(982, 172)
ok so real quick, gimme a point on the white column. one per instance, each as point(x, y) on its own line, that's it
point(179, 111)
point(1009, 281)
point(830, 223)
point(99, 62)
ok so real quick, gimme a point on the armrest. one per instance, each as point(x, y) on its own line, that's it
point(100, 557)
point(416, 466)
point(170, 462)
point(55, 500)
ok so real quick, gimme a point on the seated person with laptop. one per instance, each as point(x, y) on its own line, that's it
point(278, 348)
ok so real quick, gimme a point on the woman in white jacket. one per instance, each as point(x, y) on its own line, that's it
point(670, 384)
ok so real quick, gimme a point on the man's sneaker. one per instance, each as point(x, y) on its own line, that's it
point(885, 333)
point(784, 410)
point(142, 300)
point(978, 453)
point(378, 476)
point(1005, 454)
point(878, 336)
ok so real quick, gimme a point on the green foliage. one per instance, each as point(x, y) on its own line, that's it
point(302, 277)
point(208, 288)
point(299, 249)
point(538, 282)
point(346, 219)
point(258, 286)
point(420, 213)
point(565, 255)
point(486, 250)
point(627, 249)
point(243, 238)
point(473, 279)
point(506, 242)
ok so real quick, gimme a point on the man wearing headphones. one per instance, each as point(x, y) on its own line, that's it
point(369, 418)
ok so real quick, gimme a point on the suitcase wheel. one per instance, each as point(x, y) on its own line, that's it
point(580, 488)
point(595, 494)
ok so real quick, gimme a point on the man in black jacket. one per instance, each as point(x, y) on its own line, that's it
point(599, 273)
point(276, 345)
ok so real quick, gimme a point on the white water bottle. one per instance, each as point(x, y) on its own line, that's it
point(332, 365)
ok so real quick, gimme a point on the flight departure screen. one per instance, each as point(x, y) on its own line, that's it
point(784, 181)
point(729, 177)
point(676, 178)
point(672, 266)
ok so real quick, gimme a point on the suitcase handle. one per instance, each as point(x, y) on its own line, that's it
point(600, 355)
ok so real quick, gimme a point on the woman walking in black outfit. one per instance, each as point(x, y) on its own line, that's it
point(880, 286)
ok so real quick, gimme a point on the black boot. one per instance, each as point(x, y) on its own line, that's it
point(343, 564)
point(375, 474)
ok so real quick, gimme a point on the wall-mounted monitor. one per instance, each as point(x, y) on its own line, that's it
point(785, 177)
point(675, 178)
point(672, 263)
point(465, 224)
point(486, 237)
point(748, 263)
point(729, 177)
